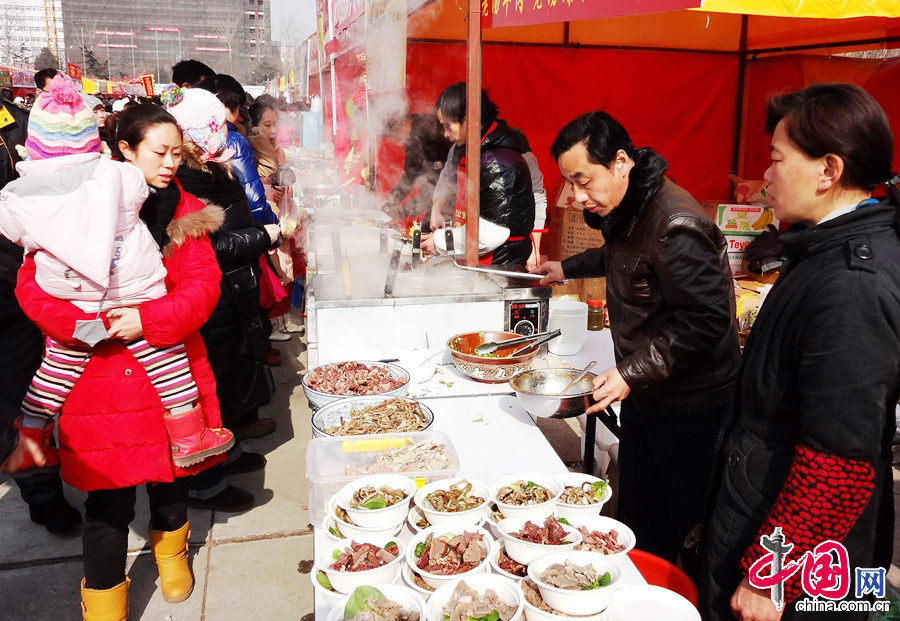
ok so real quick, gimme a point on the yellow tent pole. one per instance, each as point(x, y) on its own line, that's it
point(829, 9)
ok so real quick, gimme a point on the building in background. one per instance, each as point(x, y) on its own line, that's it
point(28, 26)
point(120, 38)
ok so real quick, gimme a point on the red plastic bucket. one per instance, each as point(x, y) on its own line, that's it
point(660, 572)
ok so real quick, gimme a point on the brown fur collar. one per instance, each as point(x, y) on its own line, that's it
point(193, 226)
point(191, 153)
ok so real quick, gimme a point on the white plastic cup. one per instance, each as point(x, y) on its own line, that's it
point(570, 317)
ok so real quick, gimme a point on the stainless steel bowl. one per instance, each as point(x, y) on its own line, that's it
point(536, 391)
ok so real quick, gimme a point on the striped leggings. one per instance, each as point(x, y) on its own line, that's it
point(168, 369)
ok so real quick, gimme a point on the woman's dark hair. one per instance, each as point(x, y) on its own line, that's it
point(841, 119)
point(602, 135)
point(131, 125)
point(258, 109)
point(226, 88)
point(452, 104)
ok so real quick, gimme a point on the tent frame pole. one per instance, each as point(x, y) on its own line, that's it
point(473, 128)
point(736, 155)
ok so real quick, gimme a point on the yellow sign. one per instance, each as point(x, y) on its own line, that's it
point(109, 88)
point(281, 83)
point(375, 444)
point(292, 79)
point(5, 117)
point(89, 87)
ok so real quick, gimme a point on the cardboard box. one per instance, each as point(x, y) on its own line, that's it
point(737, 247)
point(567, 233)
point(736, 219)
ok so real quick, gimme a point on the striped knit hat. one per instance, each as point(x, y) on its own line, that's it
point(60, 123)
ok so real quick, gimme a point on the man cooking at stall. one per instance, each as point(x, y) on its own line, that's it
point(671, 310)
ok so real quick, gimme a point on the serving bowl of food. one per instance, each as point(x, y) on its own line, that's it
point(441, 553)
point(394, 601)
point(526, 541)
point(415, 582)
point(351, 564)
point(377, 500)
point(604, 535)
point(504, 566)
point(477, 597)
point(582, 495)
point(575, 582)
point(536, 609)
point(538, 392)
point(339, 524)
point(494, 368)
point(528, 495)
point(354, 378)
point(355, 416)
point(453, 501)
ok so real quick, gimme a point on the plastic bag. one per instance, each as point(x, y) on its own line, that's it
point(751, 192)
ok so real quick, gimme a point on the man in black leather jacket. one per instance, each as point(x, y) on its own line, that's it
point(671, 309)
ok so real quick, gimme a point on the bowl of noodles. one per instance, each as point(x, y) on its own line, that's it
point(371, 415)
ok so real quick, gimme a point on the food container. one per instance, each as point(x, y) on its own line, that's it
point(505, 588)
point(536, 391)
point(489, 370)
point(332, 414)
point(645, 601)
point(349, 531)
point(571, 511)
point(327, 458)
point(329, 597)
point(571, 318)
point(534, 512)
point(596, 316)
point(576, 602)
point(415, 514)
point(437, 580)
point(402, 594)
point(318, 399)
point(533, 613)
point(527, 551)
point(407, 574)
point(495, 563)
point(346, 581)
point(603, 524)
point(474, 516)
point(385, 517)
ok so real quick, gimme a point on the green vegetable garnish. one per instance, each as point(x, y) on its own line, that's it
point(335, 555)
point(531, 484)
point(375, 503)
point(420, 548)
point(599, 488)
point(389, 544)
point(334, 531)
point(322, 579)
point(491, 616)
point(600, 582)
point(564, 521)
point(357, 601)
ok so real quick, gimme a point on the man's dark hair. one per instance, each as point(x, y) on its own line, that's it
point(6, 93)
point(190, 72)
point(841, 119)
point(43, 76)
point(452, 104)
point(602, 135)
point(226, 88)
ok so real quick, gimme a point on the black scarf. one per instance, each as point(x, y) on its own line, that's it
point(644, 180)
point(159, 210)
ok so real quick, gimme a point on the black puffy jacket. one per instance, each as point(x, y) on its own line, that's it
point(10, 254)
point(669, 293)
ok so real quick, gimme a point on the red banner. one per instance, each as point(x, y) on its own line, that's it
point(496, 13)
point(149, 86)
point(74, 71)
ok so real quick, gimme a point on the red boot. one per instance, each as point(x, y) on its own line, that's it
point(41, 437)
point(192, 440)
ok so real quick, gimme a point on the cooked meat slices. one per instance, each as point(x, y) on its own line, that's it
point(466, 603)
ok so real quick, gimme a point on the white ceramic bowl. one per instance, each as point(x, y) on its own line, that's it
point(318, 399)
point(332, 414)
point(603, 524)
point(352, 530)
point(535, 512)
point(345, 581)
point(436, 580)
point(645, 601)
point(526, 551)
point(402, 594)
point(407, 575)
point(569, 601)
point(377, 518)
point(533, 613)
point(329, 597)
point(505, 588)
point(495, 559)
point(473, 516)
point(575, 479)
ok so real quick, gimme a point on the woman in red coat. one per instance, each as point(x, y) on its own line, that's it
point(111, 432)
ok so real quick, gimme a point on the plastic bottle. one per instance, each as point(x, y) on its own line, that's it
point(595, 314)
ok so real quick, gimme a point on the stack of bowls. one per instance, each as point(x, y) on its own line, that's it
point(570, 317)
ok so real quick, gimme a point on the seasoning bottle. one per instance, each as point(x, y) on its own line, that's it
point(595, 314)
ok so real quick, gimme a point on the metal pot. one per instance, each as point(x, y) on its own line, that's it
point(536, 391)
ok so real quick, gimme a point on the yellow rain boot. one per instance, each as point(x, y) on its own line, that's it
point(170, 552)
point(105, 604)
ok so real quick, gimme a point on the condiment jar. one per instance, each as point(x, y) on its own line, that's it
point(595, 314)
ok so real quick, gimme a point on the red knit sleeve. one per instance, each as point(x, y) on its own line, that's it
point(821, 499)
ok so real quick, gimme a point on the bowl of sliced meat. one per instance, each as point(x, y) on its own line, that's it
point(480, 596)
point(439, 554)
point(352, 564)
point(339, 380)
point(525, 540)
point(575, 582)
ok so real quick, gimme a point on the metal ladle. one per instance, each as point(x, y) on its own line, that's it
point(584, 372)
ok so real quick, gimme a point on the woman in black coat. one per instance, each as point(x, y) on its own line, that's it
point(807, 448)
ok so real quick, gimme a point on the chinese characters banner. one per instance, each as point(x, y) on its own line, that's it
point(496, 13)
point(74, 71)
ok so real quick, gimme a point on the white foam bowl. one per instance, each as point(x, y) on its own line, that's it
point(407, 574)
point(569, 601)
point(603, 524)
point(402, 594)
point(526, 551)
point(645, 601)
point(473, 516)
point(437, 580)
point(533, 613)
point(346, 581)
point(377, 518)
point(329, 597)
point(353, 531)
point(491, 524)
point(495, 560)
point(505, 588)
point(535, 512)
point(570, 512)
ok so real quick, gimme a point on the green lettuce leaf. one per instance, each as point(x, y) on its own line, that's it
point(601, 581)
point(322, 579)
point(599, 488)
point(491, 616)
point(375, 503)
point(357, 602)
